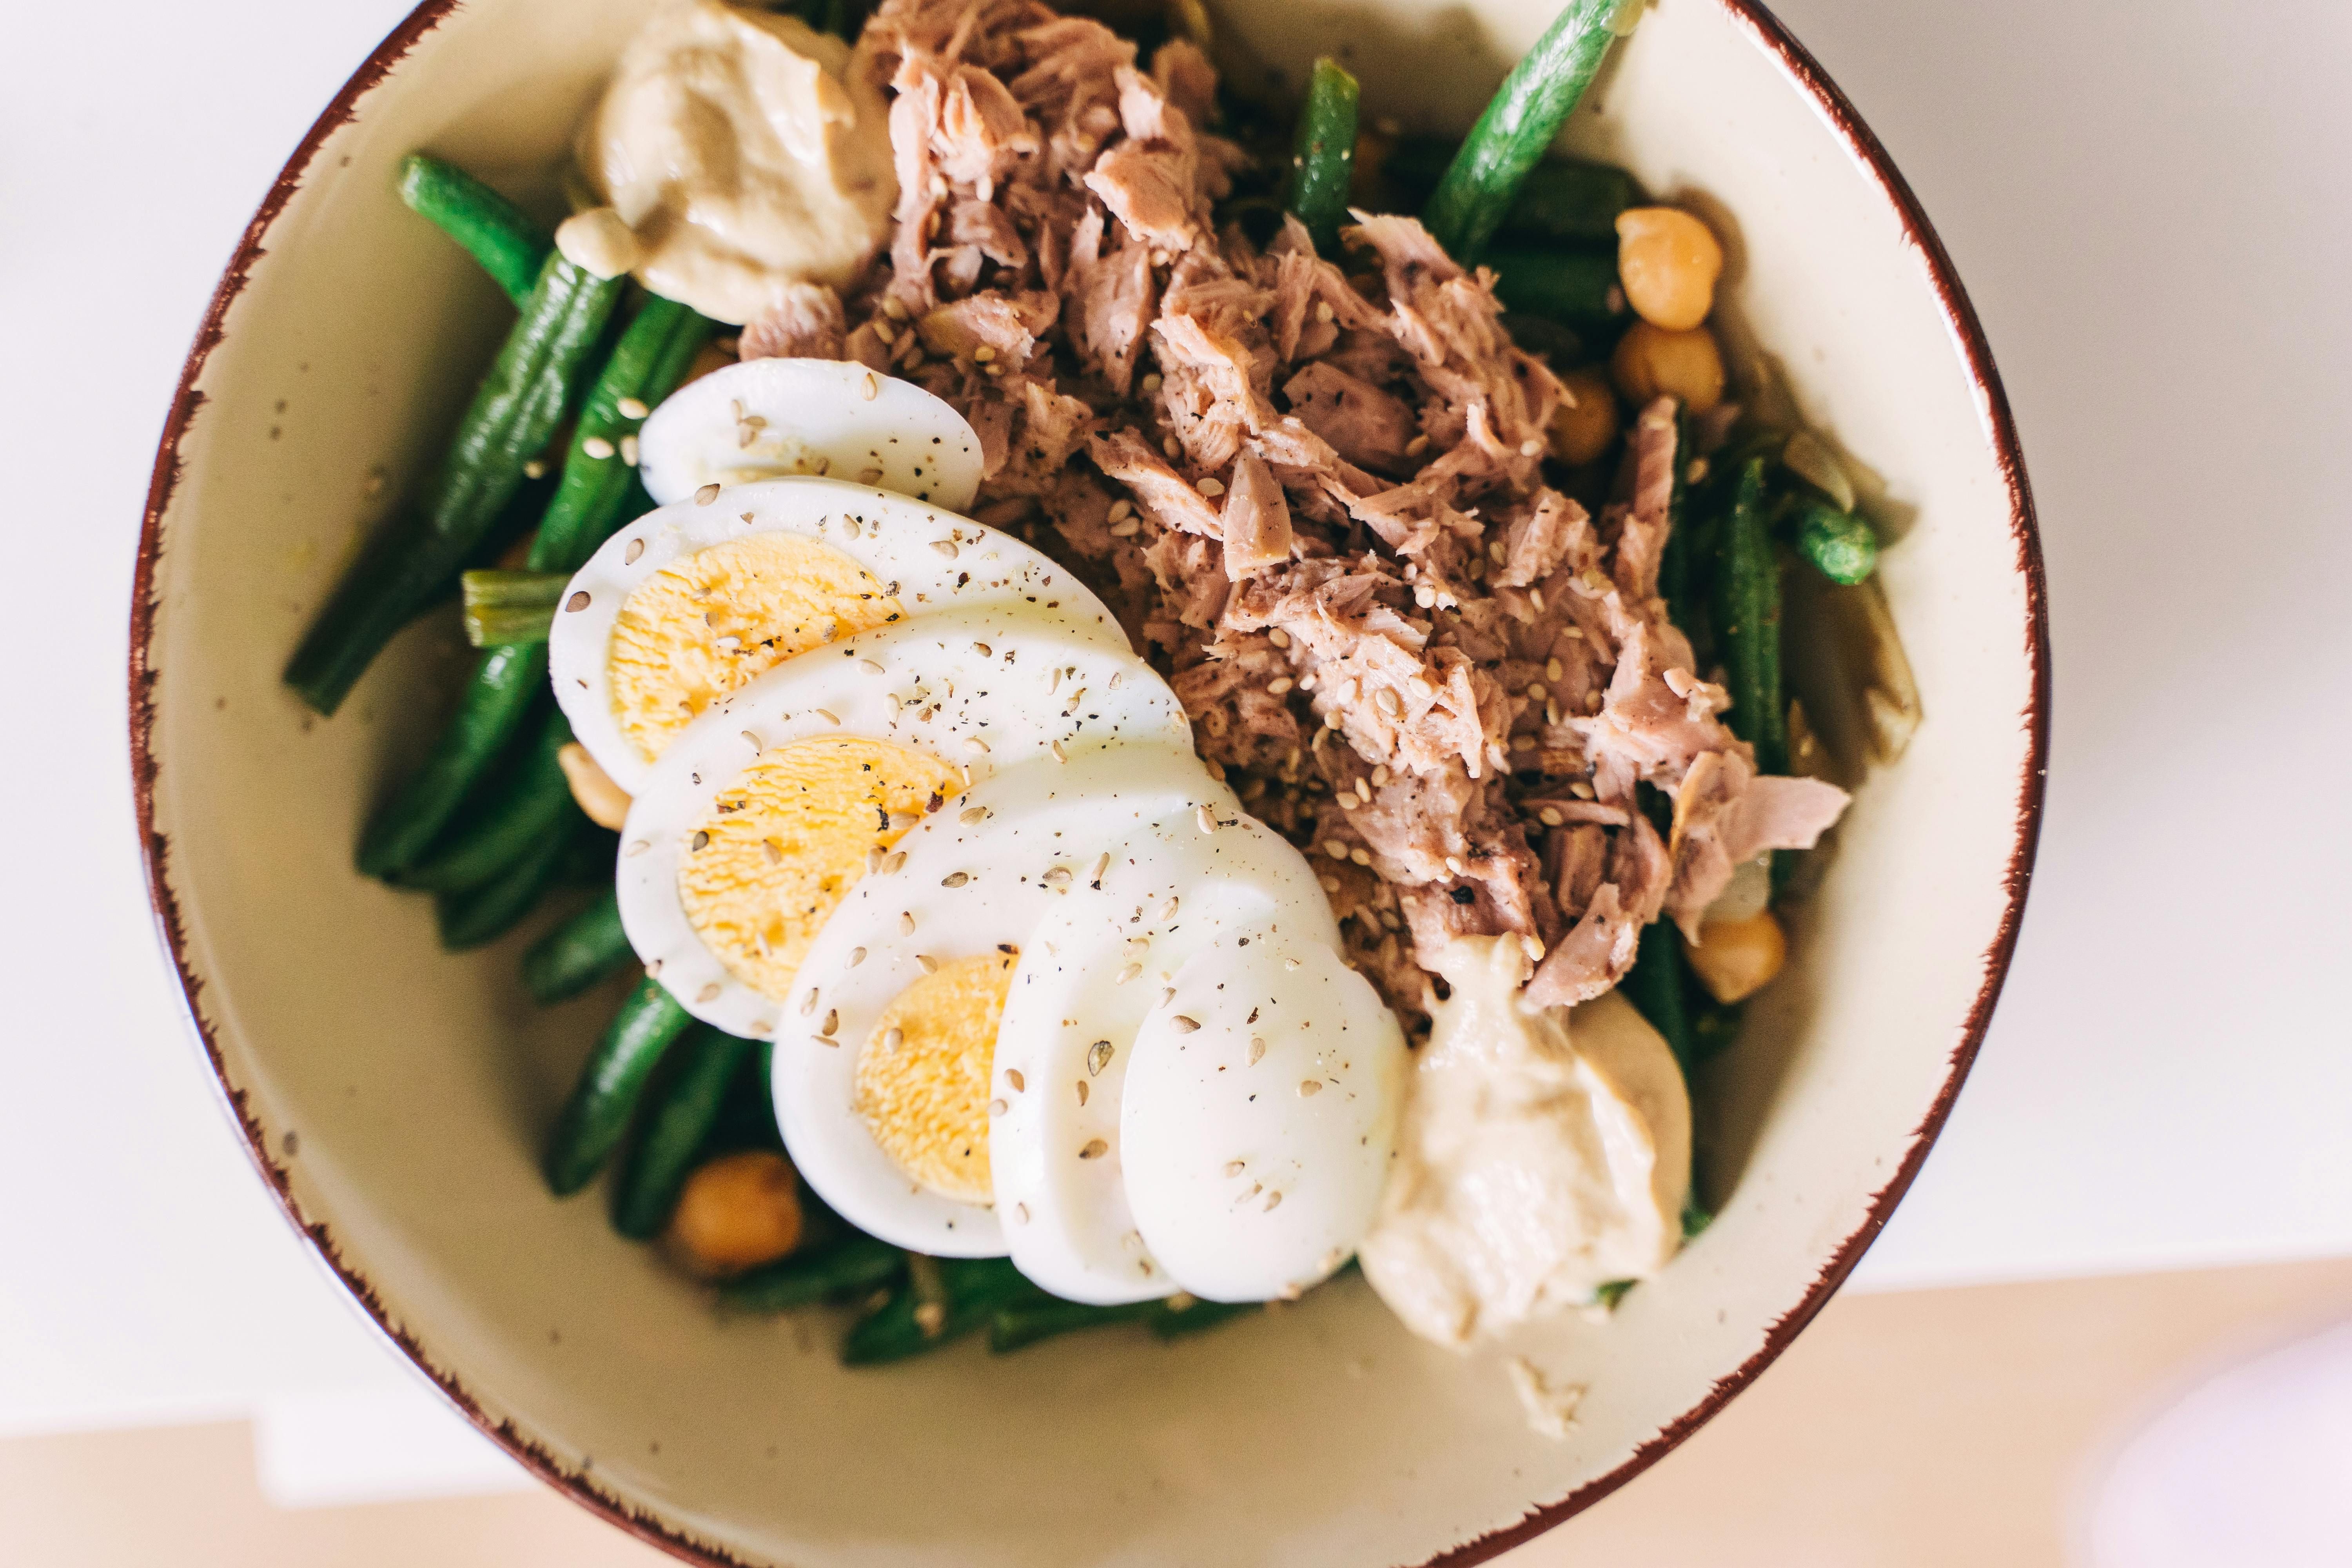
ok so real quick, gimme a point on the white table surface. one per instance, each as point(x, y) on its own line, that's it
point(2154, 215)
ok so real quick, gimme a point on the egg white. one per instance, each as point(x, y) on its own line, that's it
point(765, 418)
point(1093, 970)
point(1245, 1185)
point(1033, 836)
point(896, 539)
point(924, 683)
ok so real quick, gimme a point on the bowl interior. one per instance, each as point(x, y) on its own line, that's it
point(397, 1095)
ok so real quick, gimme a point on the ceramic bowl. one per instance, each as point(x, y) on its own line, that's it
point(394, 1097)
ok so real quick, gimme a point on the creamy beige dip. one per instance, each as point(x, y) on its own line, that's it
point(1540, 1155)
point(746, 153)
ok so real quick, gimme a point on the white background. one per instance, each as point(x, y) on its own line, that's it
point(2153, 212)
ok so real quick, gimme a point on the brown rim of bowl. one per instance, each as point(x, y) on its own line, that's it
point(1958, 314)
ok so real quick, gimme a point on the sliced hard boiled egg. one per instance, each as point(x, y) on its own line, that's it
point(883, 1072)
point(689, 602)
point(1093, 971)
point(1260, 1117)
point(766, 419)
point(776, 800)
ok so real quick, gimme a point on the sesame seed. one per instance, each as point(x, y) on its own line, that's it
point(1293, 964)
point(1150, 383)
point(997, 1107)
point(1335, 848)
point(1309, 1088)
point(905, 923)
point(1416, 446)
point(1168, 910)
point(1280, 685)
point(701, 840)
point(930, 966)
point(945, 546)
point(1273, 1202)
point(1359, 857)
point(808, 1002)
point(930, 1317)
point(825, 714)
point(639, 848)
point(1580, 790)
point(1552, 714)
point(1081, 1087)
point(856, 956)
point(973, 742)
point(895, 308)
point(1013, 1076)
point(1531, 447)
point(775, 851)
point(983, 353)
point(832, 1021)
point(1550, 816)
point(1209, 486)
point(1235, 1167)
point(578, 602)
point(893, 1038)
point(1127, 973)
point(1167, 445)
point(596, 447)
point(534, 470)
point(1324, 313)
point(1257, 1048)
point(869, 667)
point(1102, 864)
point(1330, 883)
point(1098, 1057)
point(825, 1041)
point(1206, 818)
point(629, 450)
point(1389, 702)
point(630, 409)
point(890, 866)
point(709, 993)
point(972, 814)
point(1021, 1213)
point(636, 547)
point(1535, 598)
point(869, 388)
point(873, 859)
point(955, 879)
point(1363, 791)
point(706, 495)
point(1094, 1149)
point(1183, 1025)
point(1059, 755)
point(1523, 743)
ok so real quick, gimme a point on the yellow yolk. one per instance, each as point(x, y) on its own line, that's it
point(708, 622)
point(922, 1077)
point(790, 837)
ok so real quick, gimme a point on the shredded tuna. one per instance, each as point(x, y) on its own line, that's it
point(1317, 502)
point(806, 325)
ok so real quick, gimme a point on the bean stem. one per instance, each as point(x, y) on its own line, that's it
point(504, 608)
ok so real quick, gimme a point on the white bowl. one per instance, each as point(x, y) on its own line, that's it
point(394, 1097)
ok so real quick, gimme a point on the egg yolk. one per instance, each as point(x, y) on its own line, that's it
point(922, 1077)
point(790, 837)
point(707, 623)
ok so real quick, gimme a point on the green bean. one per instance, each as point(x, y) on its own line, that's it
point(505, 682)
point(1658, 988)
point(944, 1299)
point(1747, 620)
point(1484, 180)
point(1842, 546)
point(594, 852)
point(504, 608)
point(1323, 157)
point(470, 916)
point(856, 1264)
point(517, 406)
point(1714, 1024)
point(647, 364)
point(1035, 1315)
point(493, 230)
point(597, 1112)
point(1195, 1315)
point(663, 1156)
point(1674, 557)
point(1561, 201)
point(1577, 289)
point(578, 953)
point(514, 812)
point(596, 495)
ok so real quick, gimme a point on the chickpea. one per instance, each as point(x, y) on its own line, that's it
point(1585, 423)
point(1739, 958)
point(1650, 361)
point(1668, 262)
point(604, 802)
point(737, 1212)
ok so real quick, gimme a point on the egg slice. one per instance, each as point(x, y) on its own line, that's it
point(883, 1079)
point(776, 800)
point(766, 419)
point(1260, 1117)
point(1092, 972)
point(688, 603)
